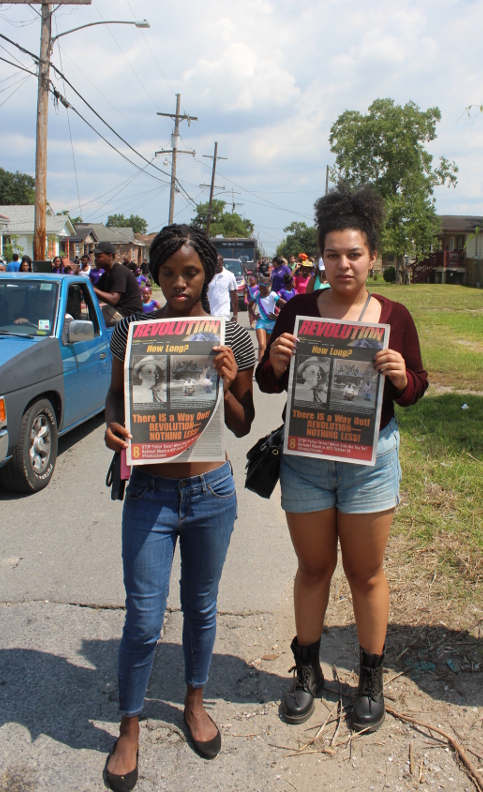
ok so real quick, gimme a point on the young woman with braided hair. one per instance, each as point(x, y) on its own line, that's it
point(325, 501)
point(192, 501)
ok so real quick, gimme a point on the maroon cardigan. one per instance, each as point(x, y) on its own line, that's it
point(403, 338)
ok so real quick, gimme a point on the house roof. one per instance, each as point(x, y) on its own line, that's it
point(88, 236)
point(21, 220)
point(145, 239)
point(118, 236)
point(461, 223)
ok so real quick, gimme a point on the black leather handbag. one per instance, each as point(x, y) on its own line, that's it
point(113, 478)
point(263, 463)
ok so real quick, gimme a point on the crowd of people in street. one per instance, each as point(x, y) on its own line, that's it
point(325, 502)
point(124, 289)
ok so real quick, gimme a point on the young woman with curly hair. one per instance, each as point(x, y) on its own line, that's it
point(194, 502)
point(326, 501)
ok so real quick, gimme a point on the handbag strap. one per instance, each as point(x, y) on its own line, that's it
point(365, 307)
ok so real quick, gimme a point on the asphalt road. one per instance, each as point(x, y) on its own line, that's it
point(61, 611)
point(61, 617)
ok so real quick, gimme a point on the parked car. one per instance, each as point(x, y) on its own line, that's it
point(55, 367)
point(235, 266)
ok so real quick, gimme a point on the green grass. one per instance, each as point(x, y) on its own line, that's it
point(439, 523)
point(442, 505)
point(449, 320)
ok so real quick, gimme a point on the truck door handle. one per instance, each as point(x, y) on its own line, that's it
point(103, 355)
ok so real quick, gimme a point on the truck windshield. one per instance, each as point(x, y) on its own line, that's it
point(233, 266)
point(27, 307)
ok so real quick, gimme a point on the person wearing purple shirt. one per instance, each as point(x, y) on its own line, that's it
point(57, 265)
point(280, 269)
point(288, 290)
point(149, 305)
point(95, 274)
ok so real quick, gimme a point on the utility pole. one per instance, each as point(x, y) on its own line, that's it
point(174, 151)
point(233, 204)
point(46, 41)
point(327, 180)
point(40, 211)
point(215, 157)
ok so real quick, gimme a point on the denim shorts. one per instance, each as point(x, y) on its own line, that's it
point(264, 324)
point(311, 485)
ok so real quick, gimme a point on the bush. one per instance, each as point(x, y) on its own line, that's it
point(390, 275)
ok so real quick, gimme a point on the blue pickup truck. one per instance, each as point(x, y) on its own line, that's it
point(55, 366)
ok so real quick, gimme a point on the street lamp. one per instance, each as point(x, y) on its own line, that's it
point(46, 42)
point(143, 23)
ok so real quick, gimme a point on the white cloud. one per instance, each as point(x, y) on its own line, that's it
point(266, 80)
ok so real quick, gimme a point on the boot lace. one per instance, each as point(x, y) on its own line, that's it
point(369, 682)
point(302, 680)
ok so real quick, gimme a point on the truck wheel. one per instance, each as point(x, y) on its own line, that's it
point(33, 461)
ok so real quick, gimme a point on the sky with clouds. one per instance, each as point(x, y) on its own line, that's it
point(266, 79)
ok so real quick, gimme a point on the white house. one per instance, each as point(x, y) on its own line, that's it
point(21, 226)
point(3, 225)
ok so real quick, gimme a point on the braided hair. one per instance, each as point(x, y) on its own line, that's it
point(362, 210)
point(170, 239)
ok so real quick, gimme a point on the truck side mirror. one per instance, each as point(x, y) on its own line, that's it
point(79, 330)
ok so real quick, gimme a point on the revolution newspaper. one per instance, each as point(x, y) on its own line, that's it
point(172, 392)
point(334, 393)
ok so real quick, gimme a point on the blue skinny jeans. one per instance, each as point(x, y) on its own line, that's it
point(201, 512)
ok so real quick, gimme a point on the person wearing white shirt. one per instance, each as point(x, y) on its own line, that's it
point(222, 292)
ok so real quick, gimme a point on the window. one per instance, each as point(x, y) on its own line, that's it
point(79, 305)
point(27, 307)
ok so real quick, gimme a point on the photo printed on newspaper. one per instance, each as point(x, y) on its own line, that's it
point(334, 393)
point(172, 393)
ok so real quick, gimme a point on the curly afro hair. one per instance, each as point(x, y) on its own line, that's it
point(361, 210)
point(170, 239)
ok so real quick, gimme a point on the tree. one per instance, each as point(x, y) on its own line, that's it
point(16, 188)
point(227, 224)
point(73, 220)
point(138, 224)
point(11, 246)
point(301, 239)
point(386, 148)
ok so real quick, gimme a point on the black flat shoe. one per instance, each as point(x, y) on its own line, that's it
point(120, 783)
point(210, 748)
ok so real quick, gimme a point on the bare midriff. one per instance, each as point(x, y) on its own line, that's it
point(181, 470)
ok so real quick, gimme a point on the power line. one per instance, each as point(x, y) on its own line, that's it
point(122, 185)
point(63, 101)
point(127, 60)
point(70, 133)
point(24, 80)
point(7, 87)
point(106, 98)
point(59, 72)
point(59, 97)
point(153, 54)
point(266, 203)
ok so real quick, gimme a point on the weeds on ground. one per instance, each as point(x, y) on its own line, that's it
point(449, 320)
point(441, 511)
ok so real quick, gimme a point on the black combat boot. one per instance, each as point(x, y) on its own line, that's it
point(298, 703)
point(369, 712)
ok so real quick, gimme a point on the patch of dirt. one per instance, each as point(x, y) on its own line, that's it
point(433, 674)
point(19, 778)
point(436, 389)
